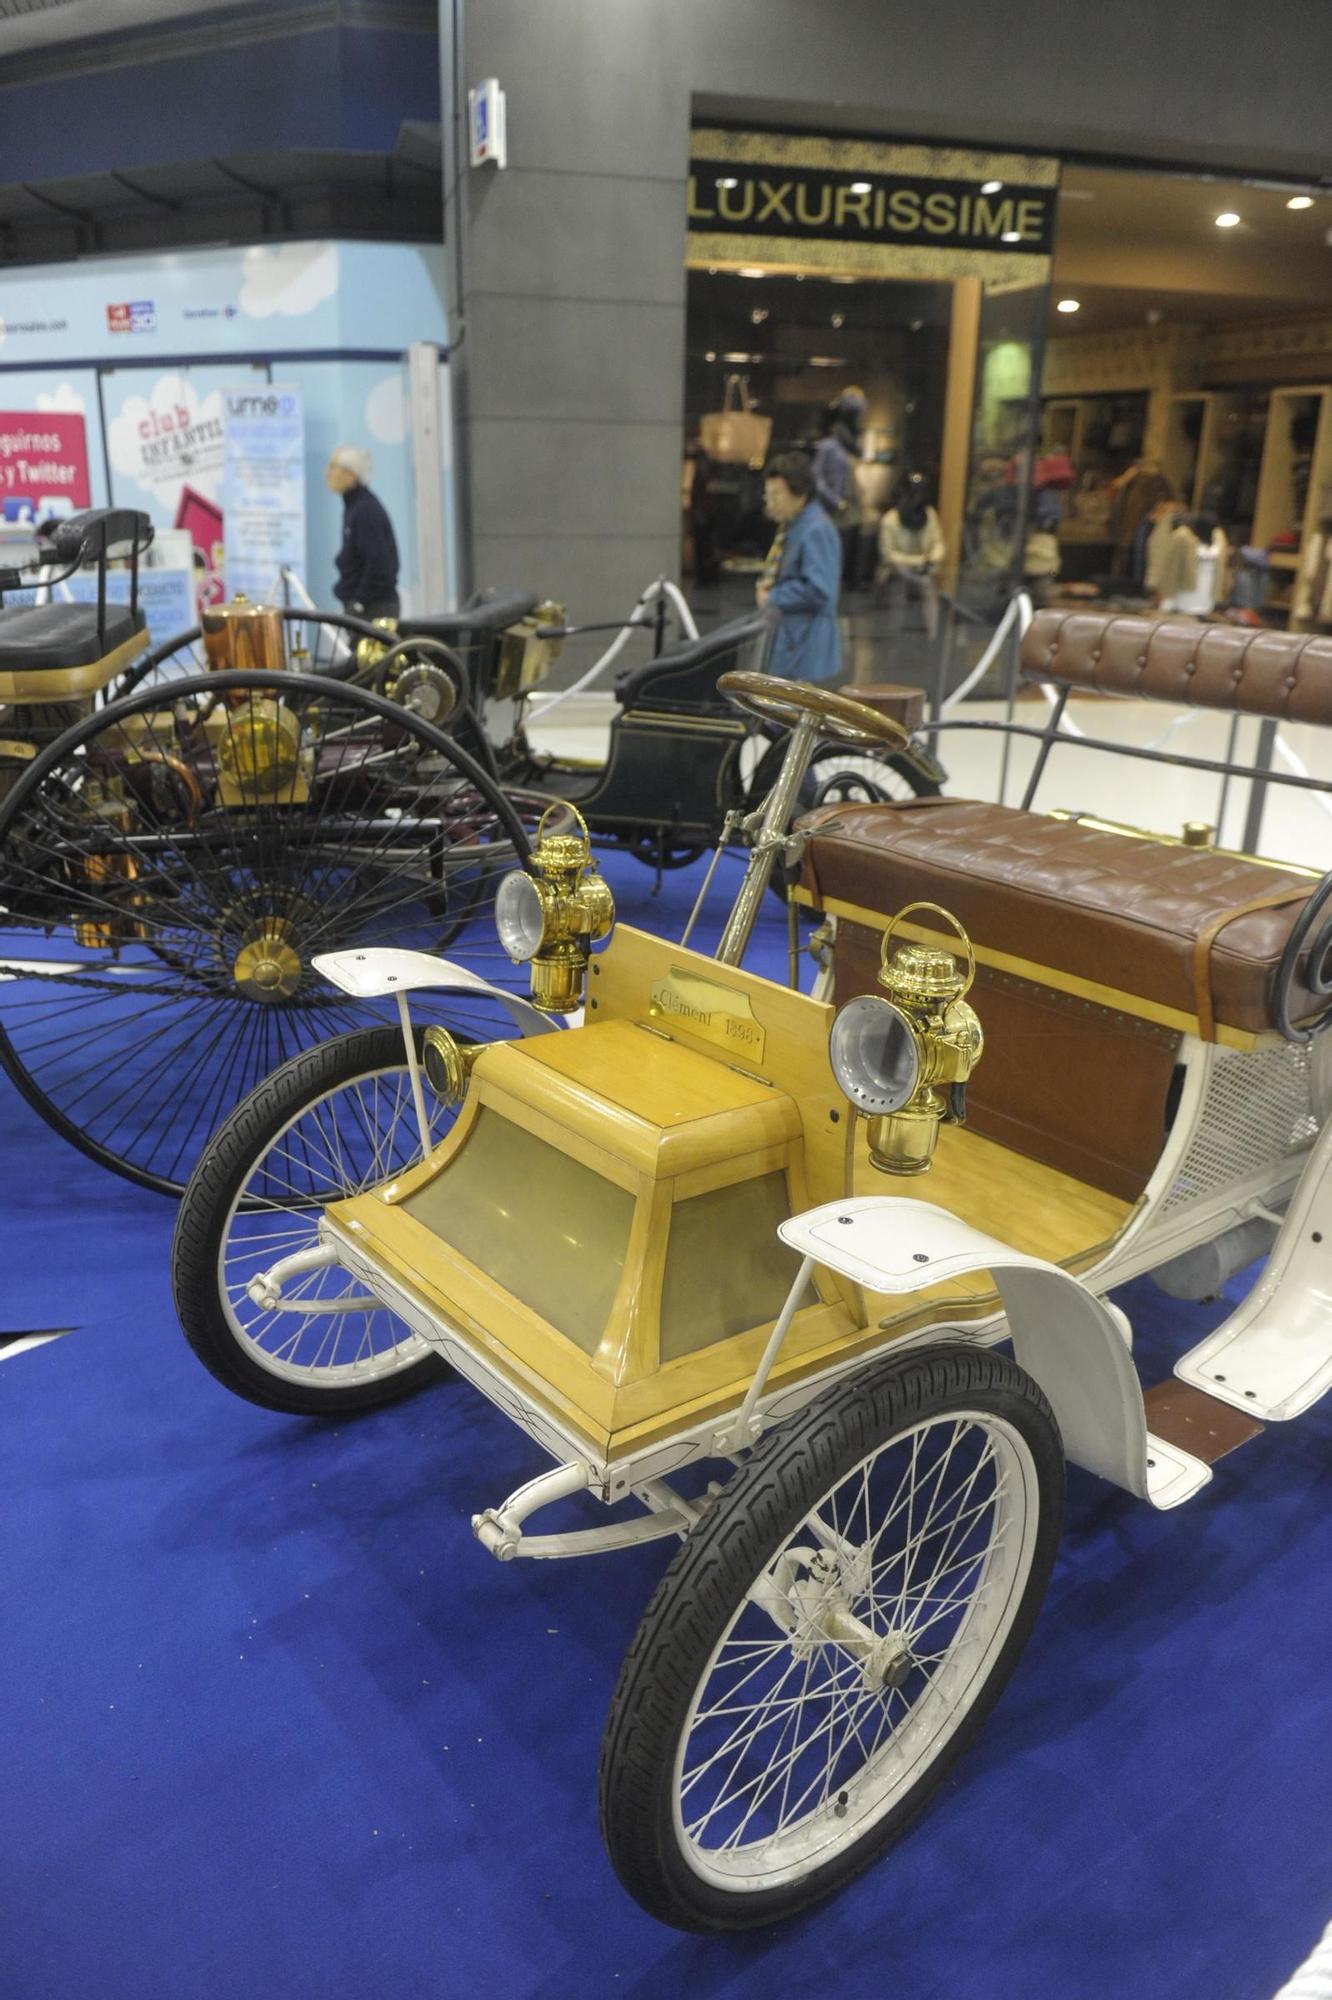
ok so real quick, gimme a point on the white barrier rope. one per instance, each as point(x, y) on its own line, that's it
point(663, 587)
point(1313, 1979)
point(1019, 611)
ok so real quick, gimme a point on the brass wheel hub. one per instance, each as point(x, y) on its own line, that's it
point(266, 967)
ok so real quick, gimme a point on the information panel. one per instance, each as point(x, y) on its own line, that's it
point(263, 486)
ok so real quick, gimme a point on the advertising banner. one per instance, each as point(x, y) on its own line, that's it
point(43, 465)
point(263, 485)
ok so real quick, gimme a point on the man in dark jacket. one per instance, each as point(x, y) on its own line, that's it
point(368, 559)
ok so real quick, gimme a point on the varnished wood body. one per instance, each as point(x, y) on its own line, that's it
point(655, 1103)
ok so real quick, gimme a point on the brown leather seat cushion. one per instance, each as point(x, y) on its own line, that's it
point(1103, 907)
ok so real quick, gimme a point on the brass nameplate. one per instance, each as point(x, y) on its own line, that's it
point(9, 748)
point(713, 1012)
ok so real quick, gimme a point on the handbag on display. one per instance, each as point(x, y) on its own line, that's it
point(736, 434)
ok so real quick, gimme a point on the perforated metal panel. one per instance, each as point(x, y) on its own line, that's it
point(1257, 1113)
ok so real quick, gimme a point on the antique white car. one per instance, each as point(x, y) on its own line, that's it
point(819, 1289)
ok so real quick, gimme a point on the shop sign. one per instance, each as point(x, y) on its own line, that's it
point(870, 206)
point(263, 485)
point(853, 206)
point(43, 464)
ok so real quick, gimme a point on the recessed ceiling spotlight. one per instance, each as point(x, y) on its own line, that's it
point(838, 319)
point(1011, 236)
point(729, 182)
point(1300, 201)
point(1068, 305)
point(742, 357)
point(861, 187)
point(749, 271)
point(991, 187)
point(711, 354)
point(1153, 315)
point(759, 314)
point(712, 270)
point(800, 277)
point(842, 279)
point(828, 361)
point(916, 325)
point(1227, 219)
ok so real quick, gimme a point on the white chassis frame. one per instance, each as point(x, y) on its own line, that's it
point(1276, 1348)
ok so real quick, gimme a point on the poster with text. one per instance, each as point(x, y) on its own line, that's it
point(43, 465)
point(263, 486)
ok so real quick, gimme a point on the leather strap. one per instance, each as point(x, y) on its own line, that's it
point(1211, 930)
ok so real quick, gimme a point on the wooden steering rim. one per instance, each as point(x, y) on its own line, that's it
point(789, 702)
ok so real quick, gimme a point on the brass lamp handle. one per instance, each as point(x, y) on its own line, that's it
point(948, 918)
point(563, 805)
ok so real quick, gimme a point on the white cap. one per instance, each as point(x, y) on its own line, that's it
point(353, 458)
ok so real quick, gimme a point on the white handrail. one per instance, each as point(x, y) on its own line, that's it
point(662, 587)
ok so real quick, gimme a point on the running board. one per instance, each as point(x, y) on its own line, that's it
point(1273, 1357)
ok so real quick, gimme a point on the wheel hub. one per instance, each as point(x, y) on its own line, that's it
point(266, 966)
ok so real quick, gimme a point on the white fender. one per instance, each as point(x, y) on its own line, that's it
point(1065, 1337)
point(381, 973)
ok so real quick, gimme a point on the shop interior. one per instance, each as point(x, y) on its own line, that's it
point(1155, 430)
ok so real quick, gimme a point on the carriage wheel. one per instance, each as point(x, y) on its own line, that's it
point(168, 873)
point(332, 1122)
point(830, 1637)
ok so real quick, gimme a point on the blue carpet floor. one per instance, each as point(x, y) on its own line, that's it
point(275, 1726)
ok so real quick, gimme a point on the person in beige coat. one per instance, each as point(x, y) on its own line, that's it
point(911, 548)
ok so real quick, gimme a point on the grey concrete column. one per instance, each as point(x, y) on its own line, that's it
point(566, 294)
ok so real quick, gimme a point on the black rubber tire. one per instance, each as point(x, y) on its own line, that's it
point(758, 1509)
point(222, 1171)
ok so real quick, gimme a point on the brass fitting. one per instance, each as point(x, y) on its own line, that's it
point(552, 917)
point(447, 1063)
point(903, 1060)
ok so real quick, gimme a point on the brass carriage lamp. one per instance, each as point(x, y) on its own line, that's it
point(903, 1060)
point(551, 918)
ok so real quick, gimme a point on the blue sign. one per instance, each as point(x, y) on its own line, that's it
point(263, 486)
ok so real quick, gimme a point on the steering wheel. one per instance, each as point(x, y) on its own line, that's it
point(789, 702)
point(1317, 971)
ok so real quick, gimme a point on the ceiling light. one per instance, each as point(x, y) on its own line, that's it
point(711, 354)
point(843, 281)
point(759, 314)
point(742, 357)
point(1068, 305)
point(729, 182)
point(916, 325)
point(800, 277)
point(1153, 315)
point(828, 361)
point(1011, 236)
point(748, 271)
point(861, 187)
point(991, 187)
point(1227, 219)
point(1300, 201)
point(838, 319)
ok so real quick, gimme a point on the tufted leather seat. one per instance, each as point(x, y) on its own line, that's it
point(1171, 926)
point(1281, 674)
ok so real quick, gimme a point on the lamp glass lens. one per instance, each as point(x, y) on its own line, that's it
point(874, 1055)
point(518, 916)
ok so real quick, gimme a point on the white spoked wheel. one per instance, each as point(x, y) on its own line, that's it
point(830, 1638)
point(336, 1120)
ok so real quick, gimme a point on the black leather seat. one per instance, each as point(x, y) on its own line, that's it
point(44, 638)
point(685, 676)
point(478, 620)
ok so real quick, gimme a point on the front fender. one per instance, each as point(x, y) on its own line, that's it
point(1067, 1339)
point(384, 973)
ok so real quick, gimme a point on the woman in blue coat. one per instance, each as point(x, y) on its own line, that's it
point(803, 575)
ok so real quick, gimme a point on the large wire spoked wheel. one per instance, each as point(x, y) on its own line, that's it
point(169, 869)
point(336, 1120)
point(830, 1637)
